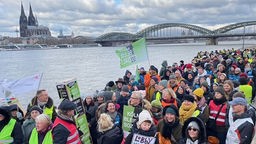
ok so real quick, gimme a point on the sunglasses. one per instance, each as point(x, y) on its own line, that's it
point(191, 128)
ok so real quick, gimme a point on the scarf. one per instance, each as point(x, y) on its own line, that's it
point(186, 111)
point(219, 101)
point(168, 103)
point(41, 104)
point(65, 117)
point(112, 115)
point(163, 140)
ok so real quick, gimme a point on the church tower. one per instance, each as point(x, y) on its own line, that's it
point(23, 22)
point(31, 18)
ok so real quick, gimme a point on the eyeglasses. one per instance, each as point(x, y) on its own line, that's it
point(191, 128)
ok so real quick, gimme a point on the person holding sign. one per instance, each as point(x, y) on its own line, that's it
point(64, 130)
point(143, 131)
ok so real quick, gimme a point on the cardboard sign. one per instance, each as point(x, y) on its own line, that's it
point(141, 139)
point(79, 106)
point(68, 89)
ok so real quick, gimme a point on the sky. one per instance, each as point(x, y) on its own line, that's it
point(96, 17)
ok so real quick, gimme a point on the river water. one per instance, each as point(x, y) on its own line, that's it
point(93, 67)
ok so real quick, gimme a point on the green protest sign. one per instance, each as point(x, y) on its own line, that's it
point(82, 125)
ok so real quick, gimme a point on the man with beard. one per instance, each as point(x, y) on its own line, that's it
point(169, 128)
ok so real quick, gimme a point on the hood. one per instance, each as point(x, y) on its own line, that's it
point(48, 104)
point(202, 133)
point(127, 71)
point(164, 63)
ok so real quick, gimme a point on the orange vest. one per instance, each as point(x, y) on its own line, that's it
point(74, 135)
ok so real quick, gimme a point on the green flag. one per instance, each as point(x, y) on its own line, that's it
point(132, 54)
point(137, 78)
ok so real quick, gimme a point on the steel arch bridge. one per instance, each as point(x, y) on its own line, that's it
point(154, 28)
point(233, 26)
point(204, 32)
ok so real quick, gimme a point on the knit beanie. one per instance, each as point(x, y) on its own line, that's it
point(156, 103)
point(189, 98)
point(199, 92)
point(144, 116)
point(163, 83)
point(125, 88)
point(220, 90)
point(173, 107)
point(155, 79)
point(36, 108)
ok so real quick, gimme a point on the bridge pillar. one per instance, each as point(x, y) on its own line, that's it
point(212, 41)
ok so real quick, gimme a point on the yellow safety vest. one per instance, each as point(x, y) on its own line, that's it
point(48, 111)
point(34, 137)
point(5, 134)
point(247, 90)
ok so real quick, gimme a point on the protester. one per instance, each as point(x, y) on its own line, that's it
point(64, 128)
point(216, 125)
point(229, 89)
point(44, 102)
point(193, 132)
point(242, 129)
point(169, 97)
point(169, 128)
point(10, 130)
point(30, 123)
point(151, 88)
point(111, 110)
point(41, 134)
point(163, 68)
point(136, 100)
point(123, 99)
point(16, 113)
point(108, 132)
point(173, 83)
point(90, 109)
point(202, 110)
point(207, 93)
point(187, 108)
point(159, 89)
point(119, 84)
point(246, 88)
point(144, 126)
point(156, 111)
point(127, 76)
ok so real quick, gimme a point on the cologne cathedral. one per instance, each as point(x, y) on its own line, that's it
point(29, 26)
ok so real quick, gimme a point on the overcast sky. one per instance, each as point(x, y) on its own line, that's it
point(96, 17)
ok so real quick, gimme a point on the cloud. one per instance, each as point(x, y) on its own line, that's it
point(95, 17)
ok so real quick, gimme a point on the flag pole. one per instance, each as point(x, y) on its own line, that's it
point(40, 80)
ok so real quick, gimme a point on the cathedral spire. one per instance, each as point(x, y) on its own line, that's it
point(23, 22)
point(31, 18)
point(22, 13)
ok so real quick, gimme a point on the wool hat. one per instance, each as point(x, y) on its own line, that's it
point(142, 68)
point(189, 66)
point(137, 94)
point(4, 110)
point(220, 90)
point(243, 75)
point(204, 84)
point(67, 105)
point(173, 107)
point(36, 108)
point(189, 98)
point(194, 125)
point(223, 74)
point(155, 79)
point(199, 92)
point(238, 101)
point(156, 103)
point(238, 94)
point(125, 88)
point(172, 76)
point(144, 116)
point(171, 111)
point(153, 68)
point(163, 83)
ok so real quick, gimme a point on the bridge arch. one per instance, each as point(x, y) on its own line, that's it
point(115, 36)
point(234, 26)
point(167, 25)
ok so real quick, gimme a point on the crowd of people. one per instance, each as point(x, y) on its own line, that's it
point(209, 100)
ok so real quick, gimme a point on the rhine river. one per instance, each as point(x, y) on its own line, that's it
point(93, 67)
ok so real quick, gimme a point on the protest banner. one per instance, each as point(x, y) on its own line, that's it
point(69, 90)
point(141, 139)
point(130, 115)
point(133, 53)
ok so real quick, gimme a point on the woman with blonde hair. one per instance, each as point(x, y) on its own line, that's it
point(229, 89)
point(41, 134)
point(108, 132)
point(169, 97)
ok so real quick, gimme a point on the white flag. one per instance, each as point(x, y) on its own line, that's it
point(23, 85)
